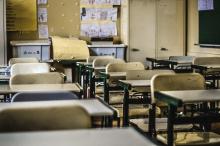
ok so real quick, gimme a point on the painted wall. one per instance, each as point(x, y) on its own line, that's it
point(193, 33)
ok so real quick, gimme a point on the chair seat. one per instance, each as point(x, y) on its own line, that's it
point(193, 138)
point(136, 111)
point(161, 125)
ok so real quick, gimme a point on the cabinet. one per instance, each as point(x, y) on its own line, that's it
point(118, 51)
point(3, 47)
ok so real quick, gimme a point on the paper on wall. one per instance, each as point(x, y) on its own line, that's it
point(99, 30)
point(99, 14)
point(42, 15)
point(100, 2)
point(205, 5)
point(42, 2)
point(43, 31)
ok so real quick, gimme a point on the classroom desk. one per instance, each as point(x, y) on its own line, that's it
point(93, 77)
point(81, 68)
point(176, 99)
point(128, 85)
point(180, 66)
point(86, 137)
point(4, 74)
point(95, 107)
point(11, 89)
point(210, 72)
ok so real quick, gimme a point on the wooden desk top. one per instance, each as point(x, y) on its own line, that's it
point(178, 98)
point(92, 137)
point(137, 83)
point(6, 89)
point(93, 106)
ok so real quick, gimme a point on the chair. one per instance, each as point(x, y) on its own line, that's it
point(25, 68)
point(170, 82)
point(43, 96)
point(94, 76)
point(22, 60)
point(37, 78)
point(175, 82)
point(43, 116)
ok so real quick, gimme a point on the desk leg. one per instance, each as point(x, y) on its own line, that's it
point(126, 108)
point(152, 117)
point(170, 132)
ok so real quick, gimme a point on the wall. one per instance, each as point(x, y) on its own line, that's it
point(193, 34)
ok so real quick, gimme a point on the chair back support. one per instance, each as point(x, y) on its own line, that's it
point(103, 62)
point(37, 78)
point(123, 67)
point(26, 68)
point(22, 60)
point(92, 58)
point(45, 117)
point(43, 96)
point(206, 60)
point(173, 82)
point(145, 74)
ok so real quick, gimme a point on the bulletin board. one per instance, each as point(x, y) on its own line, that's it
point(21, 15)
point(209, 22)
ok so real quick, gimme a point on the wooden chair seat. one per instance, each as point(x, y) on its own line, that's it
point(193, 138)
point(161, 125)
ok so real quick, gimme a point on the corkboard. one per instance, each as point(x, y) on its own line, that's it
point(64, 17)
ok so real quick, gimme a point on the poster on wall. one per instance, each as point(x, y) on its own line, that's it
point(21, 15)
point(42, 15)
point(100, 2)
point(99, 14)
point(99, 30)
point(205, 5)
point(42, 2)
point(43, 31)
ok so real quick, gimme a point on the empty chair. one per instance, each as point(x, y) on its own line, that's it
point(43, 96)
point(37, 78)
point(43, 116)
point(118, 67)
point(22, 60)
point(103, 62)
point(26, 68)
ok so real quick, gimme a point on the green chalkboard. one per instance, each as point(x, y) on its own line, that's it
point(209, 25)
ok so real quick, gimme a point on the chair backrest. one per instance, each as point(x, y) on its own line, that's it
point(37, 78)
point(43, 96)
point(26, 68)
point(172, 82)
point(103, 62)
point(22, 60)
point(44, 117)
point(123, 67)
point(99, 62)
point(145, 74)
point(92, 58)
point(206, 60)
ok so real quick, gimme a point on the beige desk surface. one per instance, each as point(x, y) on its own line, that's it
point(93, 106)
point(193, 96)
point(92, 137)
point(6, 89)
point(137, 83)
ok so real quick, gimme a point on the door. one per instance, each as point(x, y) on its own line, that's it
point(2, 34)
point(170, 28)
point(141, 29)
